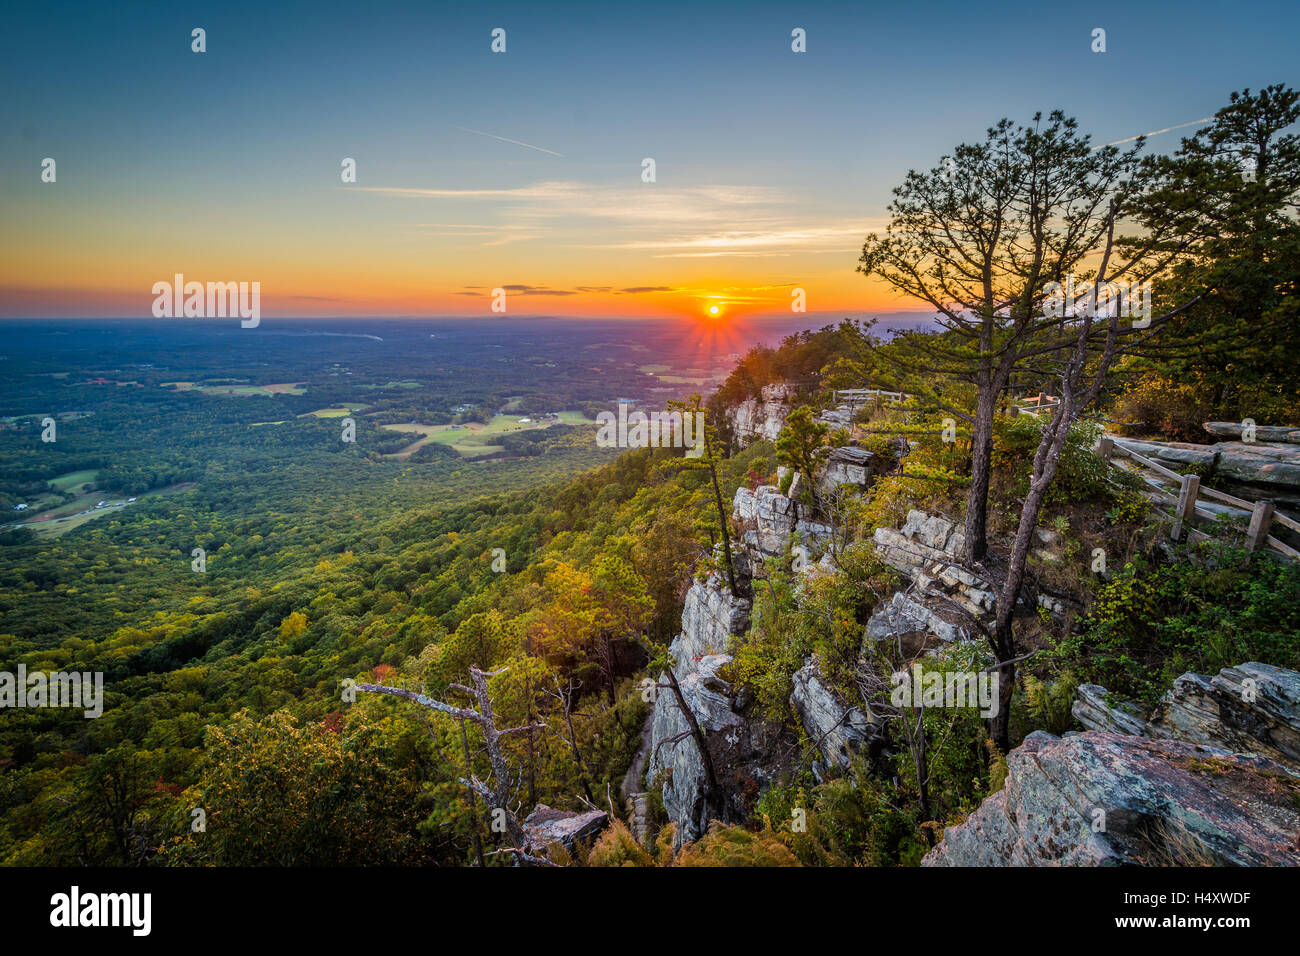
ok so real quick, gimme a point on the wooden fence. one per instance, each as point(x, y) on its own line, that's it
point(1263, 514)
point(854, 396)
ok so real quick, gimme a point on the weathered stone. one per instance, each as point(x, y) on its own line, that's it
point(1235, 430)
point(1254, 462)
point(741, 749)
point(1251, 708)
point(849, 465)
point(903, 617)
point(1157, 801)
point(710, 615)
point(1093, 710)
point(546, 826)
point(764, 418)
point(839, 732)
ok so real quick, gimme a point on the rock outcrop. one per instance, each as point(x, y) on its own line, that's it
point(1211, 776)
point(742, 750)
point(1234, 430)
point(1251, 708)
point(1270, 465)
point(850, 465)
point(762, 419)
point(910, 623)
point(929, 550)
point(1101, 799)
point(839, 732)
point(770, 519)
point(546, 826)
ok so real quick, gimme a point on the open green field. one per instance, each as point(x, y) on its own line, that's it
point(337, 412)
point(474, 439)
point(239, 391)
point(72, 479)
point(57, 522)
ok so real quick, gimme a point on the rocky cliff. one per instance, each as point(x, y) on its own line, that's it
point(743, 751)
point(763, 418)
point(1211, 776)
point(1101, 799)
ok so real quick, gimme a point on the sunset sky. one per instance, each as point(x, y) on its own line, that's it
point(523, 170)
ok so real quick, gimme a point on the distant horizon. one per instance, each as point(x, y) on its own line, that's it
point(620, 162)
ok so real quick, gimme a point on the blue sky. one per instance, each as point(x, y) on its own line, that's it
point(770, 165)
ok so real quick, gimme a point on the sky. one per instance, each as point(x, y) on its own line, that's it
point(523, 170)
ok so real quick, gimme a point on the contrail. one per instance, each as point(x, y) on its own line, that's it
point(504, 139)
point(1167, 129)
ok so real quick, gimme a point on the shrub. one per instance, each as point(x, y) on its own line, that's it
point(1152, 623)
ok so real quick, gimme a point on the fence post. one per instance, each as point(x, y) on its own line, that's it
point(1107, 448)
point(1260, 520)
point(1186, 512)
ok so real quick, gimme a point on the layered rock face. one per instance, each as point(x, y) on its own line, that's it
point(741, 749)
point(1101, 799)
point(546, 826)
point(770, 519)
point(928, 549)
point(1251, 708)
point(1212, 776)
point(1231, 430)
point(1268, 464)
point(850, 465)
point(840, 733)
point(762, 419)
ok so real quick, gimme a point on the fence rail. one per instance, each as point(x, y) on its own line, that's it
point(855, 395)
point(1262, 513)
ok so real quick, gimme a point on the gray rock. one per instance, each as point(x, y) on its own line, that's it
point(1101, 799)
point(903, 617)
point(762, 419)
point(839, 732)
point(1251, 708)
point(849, 465)
point(710, 616)
point(1092, 709)
point(1234, 430)
point(546, 826)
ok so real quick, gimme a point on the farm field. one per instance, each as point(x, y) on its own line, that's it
point(474, 439)
point(239, 391)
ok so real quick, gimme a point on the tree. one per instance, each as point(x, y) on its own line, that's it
point(1081, 371)
point(1232, 192)
point(979, 238)
point(709, 462)
point(801, 446)
point(499, 796)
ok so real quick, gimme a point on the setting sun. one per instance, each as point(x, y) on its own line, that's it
point(714, 310)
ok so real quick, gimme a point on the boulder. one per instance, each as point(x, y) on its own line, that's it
point(1251, 708)
point(849, 465)
point(905, 619)
point(1103, 799)
point(1234, 430)
point(838, 731)
point(546, 826)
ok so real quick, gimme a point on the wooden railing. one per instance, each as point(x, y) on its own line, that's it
point(855, 395)
point(1263, 514)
